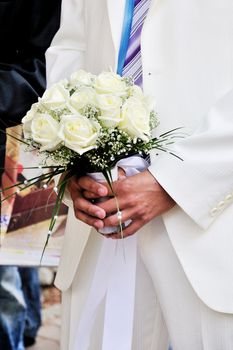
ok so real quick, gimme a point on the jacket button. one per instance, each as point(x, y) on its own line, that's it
point(228, 197)
point(221, 204)
point(214, 211)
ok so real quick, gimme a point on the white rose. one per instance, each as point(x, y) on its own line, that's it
point(136, 91)
point(44, 130)
point(81, 77)
point(82, 97)
point(55, 97)
point(149, 101)
point(136, 119)
point(109, 82)
point(79, 133)
point(110, 106)
point(27, 120)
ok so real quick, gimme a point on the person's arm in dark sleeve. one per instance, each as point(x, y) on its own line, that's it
point(26, 30)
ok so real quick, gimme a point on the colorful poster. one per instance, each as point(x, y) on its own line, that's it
point(25, 217)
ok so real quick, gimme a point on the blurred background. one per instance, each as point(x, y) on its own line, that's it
point(29, 303)
point(49, 333)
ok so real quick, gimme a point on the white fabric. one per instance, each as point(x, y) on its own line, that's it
point(147, 313)
point(118, 321)
point(187, 50)
point(114, 278)
point(191, 324)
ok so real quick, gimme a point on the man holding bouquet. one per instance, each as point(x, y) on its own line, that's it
point(181, 211)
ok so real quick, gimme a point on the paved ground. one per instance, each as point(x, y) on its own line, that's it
point(49, 333)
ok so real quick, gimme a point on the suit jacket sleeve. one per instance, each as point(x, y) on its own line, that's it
point(27, 29)
point(201, 184)
point(67, 51)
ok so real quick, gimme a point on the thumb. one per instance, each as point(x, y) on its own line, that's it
point(121, 174)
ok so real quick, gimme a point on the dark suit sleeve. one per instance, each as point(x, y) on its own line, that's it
point(26, 30)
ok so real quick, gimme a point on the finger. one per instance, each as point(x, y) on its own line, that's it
point(111, 205)
point(121, 174)
point(89, 220)
point(128, 231)
point(91, 195)
point(113, 220)
point(81, 204)
point(75, 193)
point(72, 184)
point(106, 235)
point(88, 184)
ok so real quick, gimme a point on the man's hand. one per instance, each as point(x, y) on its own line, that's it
point(84, 209)
point(140, 199)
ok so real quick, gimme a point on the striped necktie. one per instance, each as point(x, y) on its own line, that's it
point(133, 62)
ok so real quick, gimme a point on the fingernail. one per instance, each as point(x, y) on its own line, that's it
point(100, 214)
point(102, 191)
point(98, 225)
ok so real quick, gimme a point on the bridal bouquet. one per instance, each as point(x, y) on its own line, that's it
point(87, 124)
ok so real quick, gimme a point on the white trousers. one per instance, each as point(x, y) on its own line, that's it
point(166, 308)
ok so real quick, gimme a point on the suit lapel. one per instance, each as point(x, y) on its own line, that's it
point(116, 16)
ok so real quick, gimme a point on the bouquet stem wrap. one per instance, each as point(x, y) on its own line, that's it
point(131, 166)
point(114, 283)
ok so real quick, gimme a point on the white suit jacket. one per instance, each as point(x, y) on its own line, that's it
point(187, 56)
